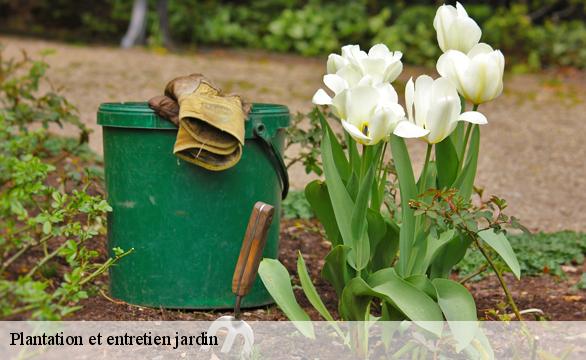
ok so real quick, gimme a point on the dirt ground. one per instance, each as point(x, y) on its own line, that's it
point(532, 150)
point(555, 297)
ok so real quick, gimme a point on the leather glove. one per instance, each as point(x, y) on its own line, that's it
point(211, 125)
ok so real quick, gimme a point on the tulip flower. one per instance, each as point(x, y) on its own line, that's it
point(478, 75)
point(370, 113)
point(380, 64)
point(455, 29)
point(435, 106)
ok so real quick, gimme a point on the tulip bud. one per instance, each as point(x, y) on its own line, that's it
point(455, 29)
point(478, 75)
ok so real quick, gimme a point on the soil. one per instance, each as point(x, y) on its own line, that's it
point(555, 297)
point(532, 150)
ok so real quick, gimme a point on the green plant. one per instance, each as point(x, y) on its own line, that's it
point(397, 266)
point(49, 205)
point(533, 34)
point(295, 206)
point(317, 27)
point(582, 282)
point(305, 134)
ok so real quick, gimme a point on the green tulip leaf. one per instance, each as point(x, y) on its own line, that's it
point(353, 154)
point(336, 270)
point(316, 193)
point(377, 229)
point(407, 298)
point(352, 186)
point(340, 199)
point(355, 300)
point(447, 162)
point(359, 224)
point(277, 282)
point(465, 181)
point(423, 283)
point(448, 256)
point(408, 190)
point(459, 308)
point(337, 151)
point(434, 247)
point(309, 289)
point(386, 248)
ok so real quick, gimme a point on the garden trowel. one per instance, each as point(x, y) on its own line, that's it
point(244, 275)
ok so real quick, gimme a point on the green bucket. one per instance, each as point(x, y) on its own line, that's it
point(185, 223)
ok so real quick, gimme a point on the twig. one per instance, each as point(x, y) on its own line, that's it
point(478, 271)
point(14, 257)
point(117, 302)
point(104, 267)
point(500, 278)
point(46, 259)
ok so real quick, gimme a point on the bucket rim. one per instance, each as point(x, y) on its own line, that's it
point(137, 114)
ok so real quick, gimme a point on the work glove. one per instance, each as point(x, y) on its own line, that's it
point(211, 125)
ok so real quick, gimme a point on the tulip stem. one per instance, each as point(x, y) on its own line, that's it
point(423, 176)
point(466, 139)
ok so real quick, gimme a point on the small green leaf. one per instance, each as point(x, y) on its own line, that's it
point(500, 244)
point(117, 251)
point(47, 227)
point(277, 282)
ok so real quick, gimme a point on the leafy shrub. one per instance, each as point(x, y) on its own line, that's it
point(413, 34)
point(533, 34)
point(50, 208)
point(563, 44)
point(317, 28)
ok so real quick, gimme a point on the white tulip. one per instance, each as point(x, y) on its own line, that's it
point(435, 106)
point(370, 113)
point(455, 29)
point(478, 75)
point(380, 64)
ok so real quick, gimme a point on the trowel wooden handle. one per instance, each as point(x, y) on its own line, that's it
point(253, 245)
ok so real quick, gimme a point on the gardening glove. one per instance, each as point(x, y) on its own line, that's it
point(211, 125)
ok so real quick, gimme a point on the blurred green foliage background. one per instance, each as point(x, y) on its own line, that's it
point(533, 34)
